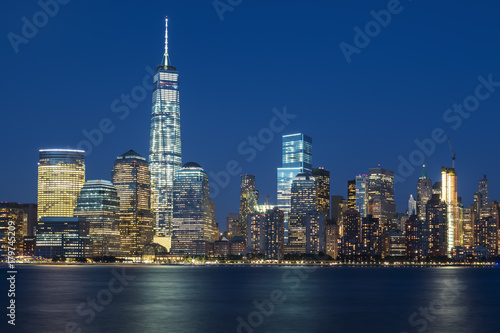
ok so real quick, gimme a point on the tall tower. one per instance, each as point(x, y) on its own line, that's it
point(61, 175)
point(483, 188)
point(131, 178)
point(381, 195)
point(424, 193)
point(322, 181)
point(351, 194)
point(249, 198)
point(192, 227)
point(449, 196)
point(361, 195)
point(296, 158)
point(165, 140)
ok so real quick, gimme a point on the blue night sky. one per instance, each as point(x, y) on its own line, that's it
point(263, 55)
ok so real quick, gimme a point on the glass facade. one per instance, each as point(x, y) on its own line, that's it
point(61, 175)
point(192, 223)
point(130, 176)
point(322, 181)
point(99, 204)
point(361, 195)
point(296, 158)
point(483, 188)
point(424, 193)
point(449, 196)
point(381, 203)
point(165, 144)
point(249, 198)
point(63, 237)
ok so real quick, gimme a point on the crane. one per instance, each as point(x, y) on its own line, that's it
point(265, 196)
point(453, 155)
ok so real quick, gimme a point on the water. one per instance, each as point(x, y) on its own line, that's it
point(211, 299)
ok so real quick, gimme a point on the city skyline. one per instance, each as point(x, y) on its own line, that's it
point(328, 150)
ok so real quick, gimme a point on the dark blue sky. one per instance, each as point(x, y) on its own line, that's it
point(263, 55)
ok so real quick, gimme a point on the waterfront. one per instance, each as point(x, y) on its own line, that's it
point(129, 298)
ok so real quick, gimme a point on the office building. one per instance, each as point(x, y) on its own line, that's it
point(424, 193)
point(99, 205)
point(61, 175)
point(265, 234)
point(412, 206)
point(63, 237)
point(351, 194)
point(437, 221)
point(165, 157)
point(193, 225)
point(322, 182)
point(296, 158)
point(381, 203)
point(361, 195)
point(249, 198)
point(131, 177)
point(483, 188)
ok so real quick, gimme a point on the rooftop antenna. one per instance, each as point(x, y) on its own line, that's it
point(166, 41)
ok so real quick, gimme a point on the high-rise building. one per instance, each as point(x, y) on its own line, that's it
point(165, 140)
point(306, 224)
point(417, 238)
point(66, 237)
point(215, 226)
point(412, 206)
point(322, 181)
point(12, 226)
point(265, 234)
point(30, 210)
point(296, 158)
point(424, 193)
point(437, 221)
point(361, 195)
point(192, 225)
point(338, 206)
point(436, 188)
point(61, 175)
point(469, 218)
point(381, 203)
point(351, 236)
point(131, 177)
point(351, 194)
point(486, 235)
point(449, 196)
point(331, 239)
point(249, 198)
point(483, 188)
point(368, 236)
point(99, 205)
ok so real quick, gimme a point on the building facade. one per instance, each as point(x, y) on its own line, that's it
point(192, 224)
point(61, 175)
point(99, 205)
point(381, 195)
point(165, 155)
point(424, 193)
point(131, 177)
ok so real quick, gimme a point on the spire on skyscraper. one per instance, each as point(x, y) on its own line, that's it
point(423, 174)
point(165, 56)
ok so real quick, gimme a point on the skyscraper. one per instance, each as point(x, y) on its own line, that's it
point(436, 218)
point(249, 198)
point(322, 182)
point(130, 176)
point(192, 225)
point(424, 193)
point(265, 232)
point(99, 204)
point(412, 206)
point(381, 203)
point(351, 194)
point(165, 140)
point(361, 195)
point(61, 175)
point(483, 188)
point(449, 196)
point(306, 224)
point(296, 158)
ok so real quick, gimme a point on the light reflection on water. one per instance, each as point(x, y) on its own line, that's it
point(210, 299)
